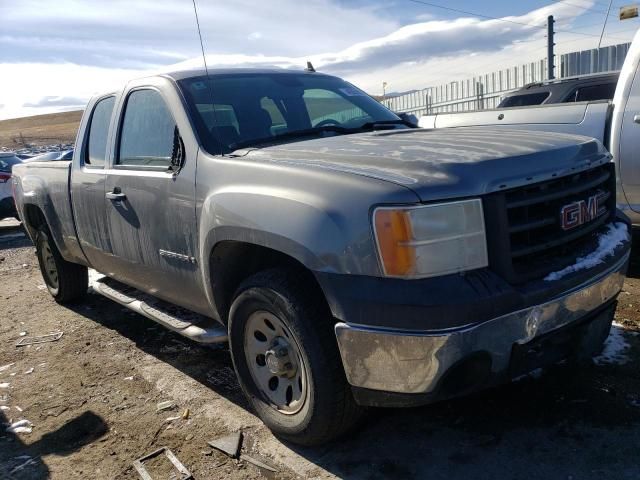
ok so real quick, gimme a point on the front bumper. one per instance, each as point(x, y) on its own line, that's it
point(415, 363)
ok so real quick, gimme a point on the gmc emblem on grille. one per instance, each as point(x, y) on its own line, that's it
point(578, 213)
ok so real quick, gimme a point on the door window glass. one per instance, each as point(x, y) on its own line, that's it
point(98, 132)
point(146, 138)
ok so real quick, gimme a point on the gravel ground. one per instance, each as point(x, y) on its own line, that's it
point(92, 395)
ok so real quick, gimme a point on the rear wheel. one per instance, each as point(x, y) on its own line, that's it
point(287, 360)
point(65, 281)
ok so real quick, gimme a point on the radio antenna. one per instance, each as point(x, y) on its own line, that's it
point(206, 70)
point(605, 23)
point(204, 57)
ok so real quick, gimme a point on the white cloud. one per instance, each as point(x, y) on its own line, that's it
point(43, 88)
point(93, 46)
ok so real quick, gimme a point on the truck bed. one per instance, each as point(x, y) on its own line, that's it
point(46, 185)
point(584, 118)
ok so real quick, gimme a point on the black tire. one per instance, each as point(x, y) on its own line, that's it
point(329, 409)
point(67, 282)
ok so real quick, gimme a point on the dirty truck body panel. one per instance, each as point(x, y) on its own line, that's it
point(404, 338)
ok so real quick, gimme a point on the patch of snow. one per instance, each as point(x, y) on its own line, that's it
point(22, 334)
point(7, 366)
point(533, 374)
point(616, 234)
point(29, 461)
point(94, 276)
point(537, 373)
point(17, 408)
point(10, 236)
point(29, 371)
point(128, 378)
point(614, 348)
point(21, 426)
point(4, 407)
point(4, 385)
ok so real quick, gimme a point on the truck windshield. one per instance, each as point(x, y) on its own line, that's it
point(251, 109)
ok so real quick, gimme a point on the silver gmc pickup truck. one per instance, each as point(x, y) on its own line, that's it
point(348, 259)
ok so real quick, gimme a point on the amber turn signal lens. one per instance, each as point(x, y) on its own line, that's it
point(393, 232)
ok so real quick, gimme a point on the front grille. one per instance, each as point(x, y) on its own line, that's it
point(525, 223)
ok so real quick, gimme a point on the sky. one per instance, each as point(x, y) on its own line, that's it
point(55, 55)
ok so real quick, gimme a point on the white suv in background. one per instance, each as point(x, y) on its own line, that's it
point(7, 206)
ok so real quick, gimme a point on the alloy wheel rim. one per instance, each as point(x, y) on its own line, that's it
point(275, 362)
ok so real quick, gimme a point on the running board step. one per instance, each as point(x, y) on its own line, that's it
point(180, 320)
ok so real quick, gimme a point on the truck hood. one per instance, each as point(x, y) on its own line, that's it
point(441, 164)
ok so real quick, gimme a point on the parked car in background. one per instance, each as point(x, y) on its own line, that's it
point(565, 90)
point(615, 123)
point(349, 259)
point(51, 156)
point(7, 205)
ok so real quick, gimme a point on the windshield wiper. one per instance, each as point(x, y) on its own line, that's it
point(379, 125)
point(305, 132)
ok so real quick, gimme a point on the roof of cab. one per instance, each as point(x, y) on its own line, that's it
point(212, 72)
point(200, 72)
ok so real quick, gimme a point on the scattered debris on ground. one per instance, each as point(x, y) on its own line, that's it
point(178, 466)
point(258, 463)
point(166, 405)
point(21, 426)
point(229, 444)
point(50, 337)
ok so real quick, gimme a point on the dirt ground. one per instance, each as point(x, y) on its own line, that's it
point(92, 398)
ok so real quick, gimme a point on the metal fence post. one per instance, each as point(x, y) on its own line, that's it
point(479, 96)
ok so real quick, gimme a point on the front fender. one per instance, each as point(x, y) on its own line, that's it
point(304, 227)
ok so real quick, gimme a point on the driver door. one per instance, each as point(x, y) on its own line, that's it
point(151, 205)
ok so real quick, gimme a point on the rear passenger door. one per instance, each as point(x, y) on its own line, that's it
point(88, 184)
point(150, 203)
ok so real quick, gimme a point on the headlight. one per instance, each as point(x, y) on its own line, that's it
point(431, 240)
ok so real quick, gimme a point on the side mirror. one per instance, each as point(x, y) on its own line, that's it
point(178, 153)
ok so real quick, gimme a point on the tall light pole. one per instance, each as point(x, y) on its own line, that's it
point(550, 44)
point(384, 91)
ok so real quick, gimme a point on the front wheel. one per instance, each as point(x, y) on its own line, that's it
point(65, 281)
point(287, 360)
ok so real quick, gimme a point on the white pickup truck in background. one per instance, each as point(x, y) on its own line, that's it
point(616, 124)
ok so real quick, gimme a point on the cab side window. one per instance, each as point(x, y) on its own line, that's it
point(146, 137)
point(99, 132)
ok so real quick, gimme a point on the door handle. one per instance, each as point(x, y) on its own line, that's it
point(636, 119)
point(116, 195)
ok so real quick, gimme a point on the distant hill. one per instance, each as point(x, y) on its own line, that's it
point(39, 129)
